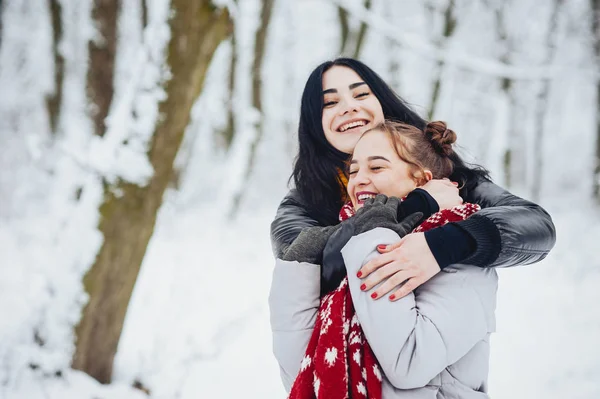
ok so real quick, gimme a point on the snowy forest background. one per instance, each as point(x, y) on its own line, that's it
point(145, 145)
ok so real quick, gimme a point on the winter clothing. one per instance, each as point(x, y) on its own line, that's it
point(508, 231)
point(379, 212)
point(309, 245)
point(433, 343)
point(339, 362)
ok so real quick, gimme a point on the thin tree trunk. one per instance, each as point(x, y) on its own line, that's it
point(344, 29)
point(449, 26)
point(102, 52)
point(395, 65)
point(259, 54)
point(144, 13)
point(362, 32)
point(596, 34)
point(506, 85)
point(54, 100)
point(542, 106)
point(128, 218)
point(229, 131)
point(1, 15)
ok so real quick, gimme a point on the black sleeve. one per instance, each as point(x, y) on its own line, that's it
point(508, 231)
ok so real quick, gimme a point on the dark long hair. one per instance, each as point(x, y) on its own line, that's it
point(318, 165)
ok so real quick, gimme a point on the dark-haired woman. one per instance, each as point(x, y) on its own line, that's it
point(341, 100)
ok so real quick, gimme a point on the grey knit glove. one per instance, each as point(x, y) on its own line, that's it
point(308, 246)
point(383, 212)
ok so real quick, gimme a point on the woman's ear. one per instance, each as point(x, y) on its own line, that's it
point(428, 175)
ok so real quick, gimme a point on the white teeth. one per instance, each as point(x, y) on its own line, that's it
point(350, 125)
point(364, 197)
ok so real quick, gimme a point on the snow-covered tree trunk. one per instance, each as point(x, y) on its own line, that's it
point(129, 211)
point(260, 45)
point(102, 50)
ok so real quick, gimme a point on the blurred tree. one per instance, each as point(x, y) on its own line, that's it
point(596, 35)
point(102, 50)
point(128, 214)
point(541, 108)
point(228, 132)
point(447, 31)
point(53, 100)
point(1, 13)
point(144, 13)
point(351, 41)
point(506, 84)
point(260, 44)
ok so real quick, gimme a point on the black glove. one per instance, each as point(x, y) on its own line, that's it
point(380, 212)
point(308, 246)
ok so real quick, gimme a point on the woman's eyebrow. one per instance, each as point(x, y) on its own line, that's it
point(352, 86)
point(373, 158)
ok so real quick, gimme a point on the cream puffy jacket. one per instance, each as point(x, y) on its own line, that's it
point(433, 343)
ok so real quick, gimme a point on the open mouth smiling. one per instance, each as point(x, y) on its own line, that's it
point(353, 124)
point(362, 196)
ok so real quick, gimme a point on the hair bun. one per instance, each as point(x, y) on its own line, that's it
point(441, 137)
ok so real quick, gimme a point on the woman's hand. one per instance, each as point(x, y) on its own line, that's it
point(408, 261)
point(444, 192)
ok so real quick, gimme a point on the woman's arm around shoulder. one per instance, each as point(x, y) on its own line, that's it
point(417, 337)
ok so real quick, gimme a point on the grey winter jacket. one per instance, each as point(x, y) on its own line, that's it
point(433, 343)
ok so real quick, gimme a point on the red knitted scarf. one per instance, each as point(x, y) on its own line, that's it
point(339, 363)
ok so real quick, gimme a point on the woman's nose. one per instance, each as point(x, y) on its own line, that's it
point(349, 105)
point(361, 179)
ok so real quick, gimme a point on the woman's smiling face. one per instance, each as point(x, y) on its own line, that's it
point(376, 168)
point(349, 108)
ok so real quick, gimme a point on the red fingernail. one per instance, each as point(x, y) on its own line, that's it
point(374, 295)
point(392, 297)
point(363, 287)
point(381, 246)
point(359, 274)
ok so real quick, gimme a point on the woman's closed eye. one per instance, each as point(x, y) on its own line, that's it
point(360, 95)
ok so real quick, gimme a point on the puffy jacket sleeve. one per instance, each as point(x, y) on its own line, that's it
point(293, 305)
point(509, 230)
point(289, 221)
point(417, 337)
